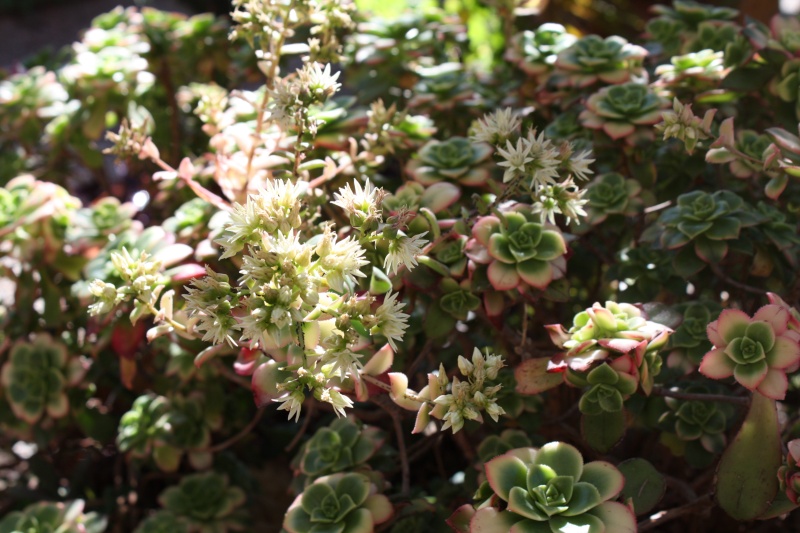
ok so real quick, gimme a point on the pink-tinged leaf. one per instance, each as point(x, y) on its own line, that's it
point(785, 140)
point(784, 354)
point(461, 518)
point(484, 228)
point(440, 196)
point(208, 354)
point(620, 345)
point(775, 186)
point(746, 480)
point(727, 137)
point(605, 477)
point(399, 384)
point(477, 252)
point(533, 378)
point(732, 323)
point(186, 272)
point(173, 254)
point(536, 273)
point(423, 418)
point(618, 130)
point(712, 332)
point(380, 507)
point(503, 277)
point(245, 363)
point(584, 361)
point(558, 334)
point(794, 449)
point(774, 385)
point(751, 375)
point(717, 365)
point(505, 472)
point(617, 518)
point(490, 520)
point(494, 303)
point(380, 362)
point(775, 315)
point(264, 382)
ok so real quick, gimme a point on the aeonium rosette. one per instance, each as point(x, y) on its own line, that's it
point(519, 250)
point(617, 333)
point(789, 472)
point(548, 490)
point(757, 351)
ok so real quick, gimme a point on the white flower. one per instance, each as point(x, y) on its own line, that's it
point(578, 165)
point(495, 127)
point(516, 158)
point(545, 160)
point(343, 263)
point(218, 327)
point(392, 322)
point(404, 251)
point(292, 402)
point(359, 204)
point(107, 296)
point(337, 400)
point(344, 361)
point(319, 82)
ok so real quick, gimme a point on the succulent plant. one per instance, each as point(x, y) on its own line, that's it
point(52, 517)
point(695, 70)
point(343, 503)
point(163, 522)
point(693, 13)
point(591, 59)
point(107, 216)
point(784, 34)
point(787, 84)
point(143, 426)
point(753, 145)
point(455, 159)
point(707, 220)
point(495, 445)
point(443, 87)
point(36, 377)
point(457, 300)
point(549, 490)
point(206, 503)
point(714, 35)
point(698, 423)
point(343, 445)
point(535, 51)
point(758, 351)
point(619, 109)
point(606, 332)
point(789, 472)
point(612, 194)
point(518, 250)
point(606, 389)
point(690, 337)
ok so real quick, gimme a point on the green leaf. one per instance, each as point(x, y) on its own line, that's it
point(644, 485)
point(504, 473)
point(603, 431)
point(584, 523)
point(379, 283)
point(746, 480)
point(565, 459)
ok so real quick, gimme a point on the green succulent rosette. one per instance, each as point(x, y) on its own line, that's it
point(53, 517)
point(690, 337)
point(693, 13)
point(163, 522)
point(612, 194)
point(714, 35)
point(606, 389)
point(699, 425)
point(550, 490)
point(706, 220)
point(143, 425)
point(518, 250)
point(206, 503)
point(535, 51)
point(343, 445)
point(36, 377)
point(593, 59)
point(339, 503)
point(453, 160)
point(620, 110)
